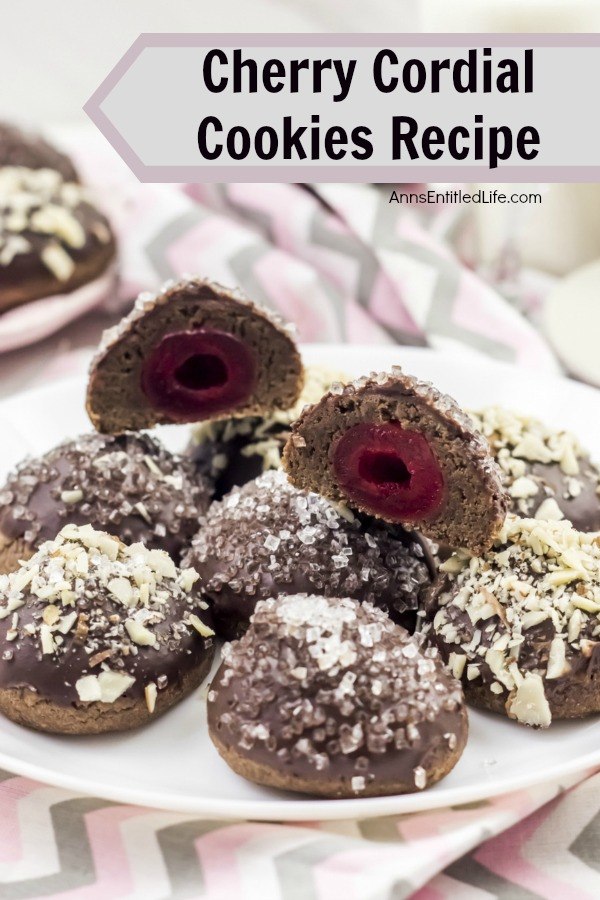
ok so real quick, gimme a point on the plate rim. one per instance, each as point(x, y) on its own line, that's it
point(290, 808)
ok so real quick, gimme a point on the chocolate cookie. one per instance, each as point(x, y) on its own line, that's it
point(231, 452)
point(130, 485)
point(96, 636)
point(52, 239)
point(269, 538)
point(194, 351)
point(397, 449)
point(329, 697)
point(31, 151)
point(547, 473)
point(520, 625)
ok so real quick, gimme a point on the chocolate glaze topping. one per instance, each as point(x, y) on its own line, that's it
point(332, 690)
point(129, 485)
point(17, 148)
point(547, 473)
point(52, 239)
point(523, 620)
point(87, 619)
point(269, 538)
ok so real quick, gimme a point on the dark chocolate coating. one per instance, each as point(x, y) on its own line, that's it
point(31, 508)
point(18, 148)
point(399, 710)
point(99, 635)
point(26, 277)
point(553, 459)
point(532, 602)
point(241, 467)
point(178, 653)
point(268, 538)
point(584, 510)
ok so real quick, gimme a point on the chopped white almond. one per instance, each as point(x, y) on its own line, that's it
point(557, 662)
point(472, 672)
point(150, 693)
point(58, 261)
point(23, 577)
point(522, 488)
point(529, 704)
point(549, 509)
point(188, 578)
point(162, 564)
point(200, 627)
point(122, 589)
point(51, 614)
point(139, 634)
point(533, 618)
point(113, 685)
point(457, 661)
point(10, 607)
point(47, 641)
point(574, 627)
point(66, 623)
point(88, 689)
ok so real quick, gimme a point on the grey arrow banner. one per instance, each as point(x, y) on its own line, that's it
point(157, 111)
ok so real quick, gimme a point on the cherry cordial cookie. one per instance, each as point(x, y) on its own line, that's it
point(231, 452)
point(547, 473)
point(52, 239)
point(330, 697)
point(31, 151)
point(192, 352)
point(130, 485)
point(521, 624)
point(269, 538)
point(397, 449)
point(96, 636)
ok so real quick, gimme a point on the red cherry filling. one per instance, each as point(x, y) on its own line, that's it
point(389, 471)
point(194, 374)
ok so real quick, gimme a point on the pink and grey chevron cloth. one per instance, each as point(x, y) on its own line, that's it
point(346, 265)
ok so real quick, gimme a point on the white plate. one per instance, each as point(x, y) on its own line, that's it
point(172, 763)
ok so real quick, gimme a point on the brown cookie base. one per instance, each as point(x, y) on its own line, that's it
point(438, 762)
point(11, 552)
point(575, 698)
point(27, 707)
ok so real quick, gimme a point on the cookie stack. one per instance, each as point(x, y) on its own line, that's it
point(375, 558)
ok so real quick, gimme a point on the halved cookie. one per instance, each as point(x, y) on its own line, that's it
point(194, 351)
point(396, 448)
